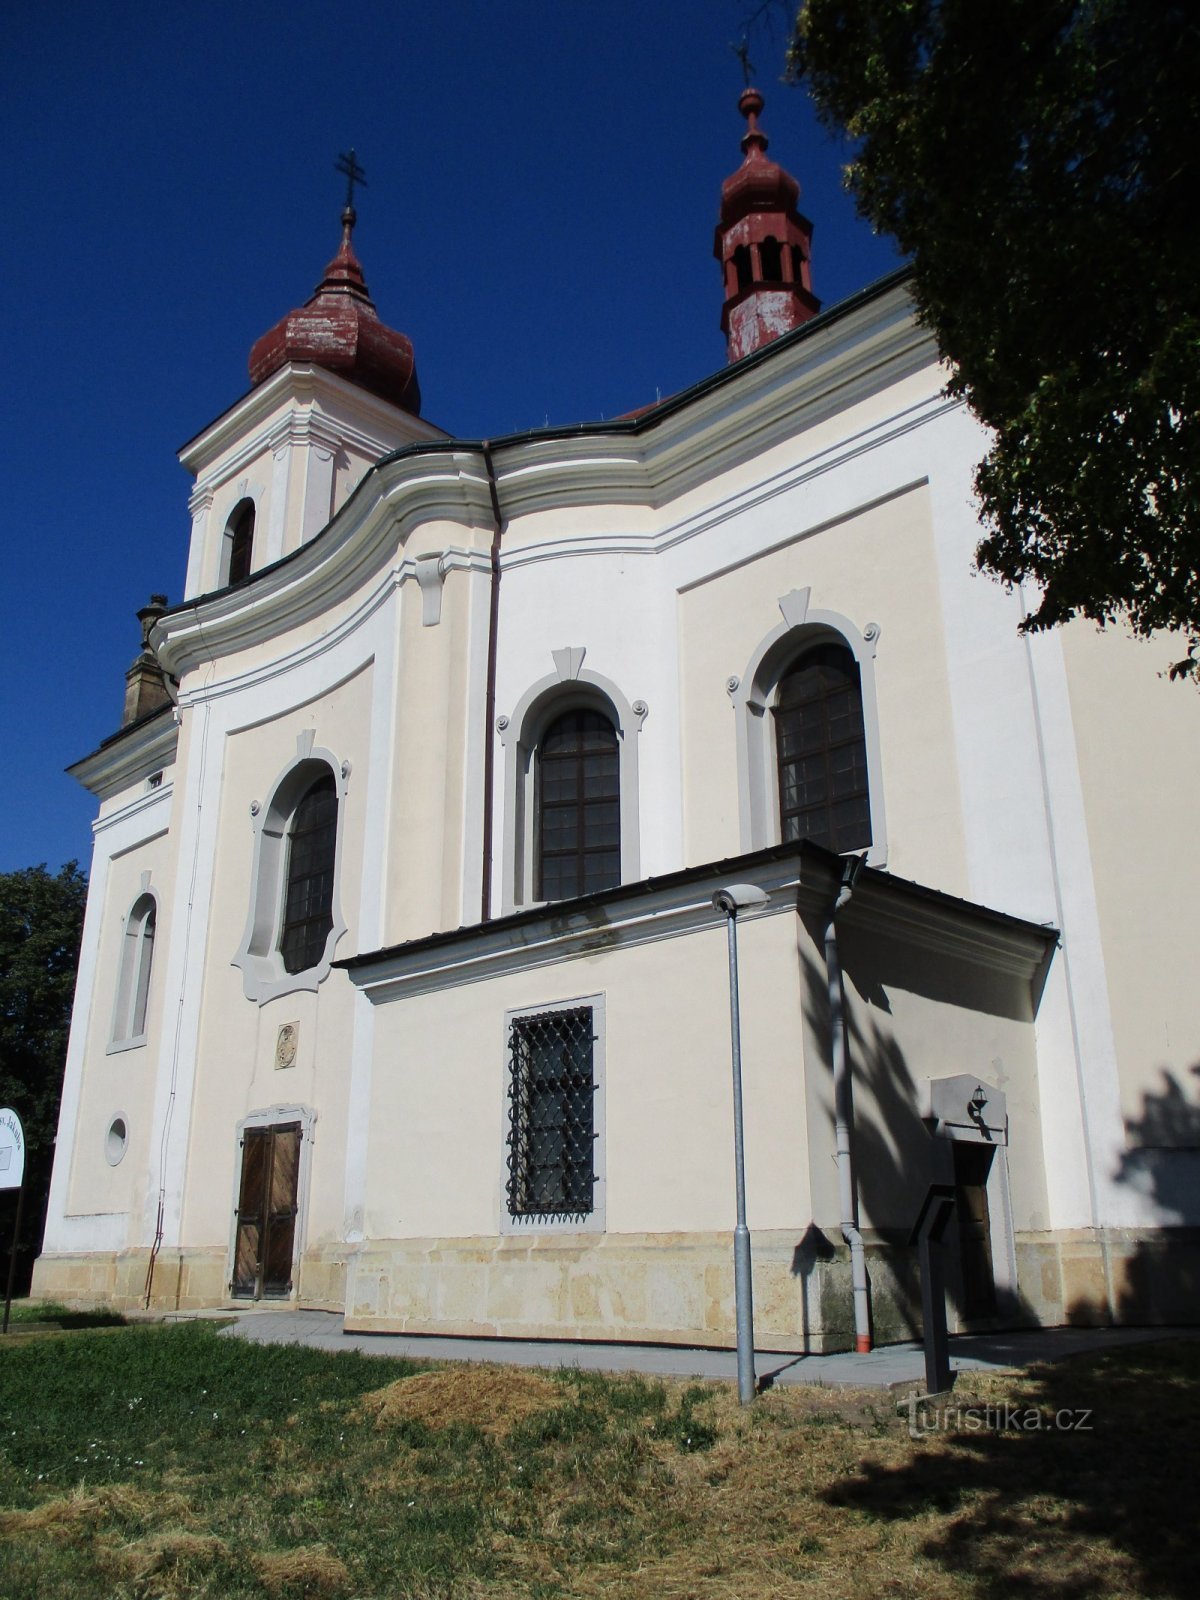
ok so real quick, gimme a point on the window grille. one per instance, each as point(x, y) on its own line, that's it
point(821, 750)
point(552, 1115)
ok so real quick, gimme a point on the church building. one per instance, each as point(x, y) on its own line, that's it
point(404, 987)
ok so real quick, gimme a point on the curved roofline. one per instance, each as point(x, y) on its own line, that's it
point(630, 426)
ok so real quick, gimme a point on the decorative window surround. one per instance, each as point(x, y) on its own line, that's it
point(752, 694)
point(594, 1221)
point(569, 687)
point(134, 972)
point(258, 956)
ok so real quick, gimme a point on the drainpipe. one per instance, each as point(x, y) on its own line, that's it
point(843, 1109)
point(489, 709)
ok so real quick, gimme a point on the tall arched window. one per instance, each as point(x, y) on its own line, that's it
point(308, 896)
point(578, 801)
point(821, 750)
point(295, 918)
point(133, 977)
point(239, 536)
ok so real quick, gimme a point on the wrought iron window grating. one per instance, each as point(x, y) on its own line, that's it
point(552, 1115)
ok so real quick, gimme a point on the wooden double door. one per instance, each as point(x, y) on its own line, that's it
point(265, 1239)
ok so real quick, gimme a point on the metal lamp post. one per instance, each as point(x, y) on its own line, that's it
point(730, 900)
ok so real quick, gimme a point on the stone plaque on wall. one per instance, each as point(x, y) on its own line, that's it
point(286, 1045)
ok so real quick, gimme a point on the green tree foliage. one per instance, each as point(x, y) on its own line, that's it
point(1037, 159)
point(41, 917)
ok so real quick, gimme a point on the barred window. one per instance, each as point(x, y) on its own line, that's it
point(308, 906)
point(821, 751)
point(552, 1154)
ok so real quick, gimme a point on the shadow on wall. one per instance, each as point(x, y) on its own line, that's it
point(1158, 1280)
point(896, 1158)
point(1087, 1501)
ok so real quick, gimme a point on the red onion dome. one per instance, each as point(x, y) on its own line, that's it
point(759, 184)
point(339, 329)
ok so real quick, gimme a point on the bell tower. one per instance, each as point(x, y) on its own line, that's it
point(333, 389)
point(763, 244)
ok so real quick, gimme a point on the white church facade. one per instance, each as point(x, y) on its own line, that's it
point(402, 989)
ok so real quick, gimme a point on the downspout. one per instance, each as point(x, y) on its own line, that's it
point(843, 1109)
point(489, 709)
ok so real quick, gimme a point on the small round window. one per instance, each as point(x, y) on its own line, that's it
point(116, 1141)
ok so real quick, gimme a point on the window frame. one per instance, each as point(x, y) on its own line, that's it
point(578, 804)
point(235, 528)
point(259, 956)
point(786, 717)
point(135, 974)
point(520, 736)
point(315, 827)
point(753, 697)
point(558, 1222)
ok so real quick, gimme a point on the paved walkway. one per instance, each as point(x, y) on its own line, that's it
point(884, 1367)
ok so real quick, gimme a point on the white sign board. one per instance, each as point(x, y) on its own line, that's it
point(12, 1150)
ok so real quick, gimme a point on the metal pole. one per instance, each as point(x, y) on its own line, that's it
point(12, 1254)
point(742, 1281)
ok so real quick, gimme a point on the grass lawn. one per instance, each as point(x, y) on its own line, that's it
point(166, 1461)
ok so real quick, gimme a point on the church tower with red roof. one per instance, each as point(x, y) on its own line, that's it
point(763, 244)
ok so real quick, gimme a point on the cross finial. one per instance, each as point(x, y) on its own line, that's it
point(742, 52)
point(347, 164)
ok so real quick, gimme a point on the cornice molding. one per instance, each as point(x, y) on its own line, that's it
point(771, 397)
point(143, 806)
point(801, 880)
point(373, 422)
point(455, 559)
point(376, 522)
point(129, 758)
point(730, 423)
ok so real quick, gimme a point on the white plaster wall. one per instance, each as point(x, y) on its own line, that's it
point(237, 1037)
point(94, 1205)
point(875, 567)
point(1138, 738)
point(438, 1125)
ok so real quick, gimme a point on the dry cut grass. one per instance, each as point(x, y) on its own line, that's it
point(492, 1483)
point(491, 1398)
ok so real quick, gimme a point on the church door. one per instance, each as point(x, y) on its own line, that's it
point(971, 1166)
point(266, 1217)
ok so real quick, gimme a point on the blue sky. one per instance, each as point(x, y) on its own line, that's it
point(543, 180)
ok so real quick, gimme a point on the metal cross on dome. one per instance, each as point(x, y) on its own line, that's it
point(347, 164)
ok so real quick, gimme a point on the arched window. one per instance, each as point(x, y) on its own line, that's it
point(743, 266)
point(133, 978)
point(308, 896)
point(578, 801)
point(570, 786)
point(770, 253)
point(821, 752)
point(295, 918)
point(239, 538)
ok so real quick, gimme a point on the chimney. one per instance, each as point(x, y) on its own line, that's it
point(146, 682)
